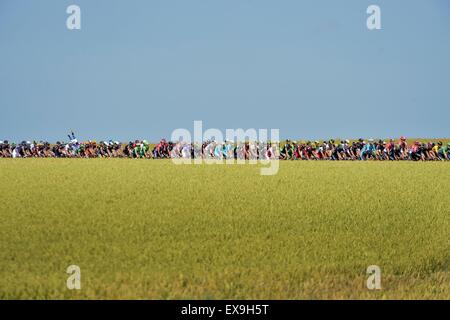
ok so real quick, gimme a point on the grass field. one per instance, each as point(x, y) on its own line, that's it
point(148, 229)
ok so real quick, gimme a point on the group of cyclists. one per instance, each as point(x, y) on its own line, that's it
point(250, 150)
point(366, 150)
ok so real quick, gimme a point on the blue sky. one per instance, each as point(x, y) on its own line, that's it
point(140, 69)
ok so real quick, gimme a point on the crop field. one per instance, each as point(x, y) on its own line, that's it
point(149, 229)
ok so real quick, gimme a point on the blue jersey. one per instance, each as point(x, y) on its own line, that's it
point(218, 151)
point(367, 149)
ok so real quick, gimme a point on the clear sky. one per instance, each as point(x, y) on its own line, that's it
point(142, 68)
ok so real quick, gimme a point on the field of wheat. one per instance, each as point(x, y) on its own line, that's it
point(149, 229)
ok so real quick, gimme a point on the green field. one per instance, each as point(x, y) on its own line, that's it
point(148, 229)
